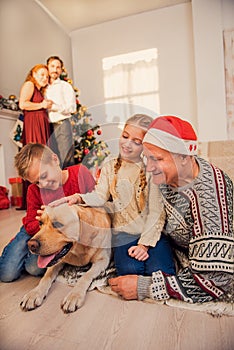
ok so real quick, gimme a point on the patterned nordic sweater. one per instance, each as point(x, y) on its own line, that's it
point(200, 226)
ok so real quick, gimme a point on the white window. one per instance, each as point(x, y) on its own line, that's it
point(131, 84)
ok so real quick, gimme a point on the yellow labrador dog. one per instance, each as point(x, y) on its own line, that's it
point(76, 235)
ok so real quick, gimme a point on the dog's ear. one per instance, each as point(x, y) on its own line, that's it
point(87, 234)
point(94, 227)
point(87, 229)
point(96, 217)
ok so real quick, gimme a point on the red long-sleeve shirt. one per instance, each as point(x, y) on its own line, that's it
point(79, 180)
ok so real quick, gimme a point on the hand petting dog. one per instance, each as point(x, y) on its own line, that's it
point(70, 200)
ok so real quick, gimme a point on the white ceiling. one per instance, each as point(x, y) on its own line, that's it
point(76, 14)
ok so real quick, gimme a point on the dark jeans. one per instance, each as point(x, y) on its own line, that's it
point(160, 256)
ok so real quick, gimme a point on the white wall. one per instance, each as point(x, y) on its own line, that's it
point(191, 65)
point(28, 36)
point(208, 25)
point(8, 148)
point(169, 30)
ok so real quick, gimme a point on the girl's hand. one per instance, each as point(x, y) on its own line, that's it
point(73, 199)
point(139, 252)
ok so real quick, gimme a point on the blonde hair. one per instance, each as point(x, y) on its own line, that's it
point(142, 121)
point(35, 69)
point(28, 153)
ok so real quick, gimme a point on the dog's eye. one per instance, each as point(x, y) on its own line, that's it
point(57, 224)
point(40, 223)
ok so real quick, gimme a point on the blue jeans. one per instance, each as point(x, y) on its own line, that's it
point(160, 257)
point(17, 258)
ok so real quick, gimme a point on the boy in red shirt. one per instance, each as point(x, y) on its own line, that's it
point(39, 165)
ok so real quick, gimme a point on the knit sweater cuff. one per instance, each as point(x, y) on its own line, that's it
point(143, 287)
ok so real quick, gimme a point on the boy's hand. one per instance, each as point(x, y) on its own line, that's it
point(73, 199)
point(40, 212)
point(139, 252)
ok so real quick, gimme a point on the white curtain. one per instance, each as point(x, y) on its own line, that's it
point(131, 84)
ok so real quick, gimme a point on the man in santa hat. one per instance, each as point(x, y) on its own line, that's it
point(198, 200)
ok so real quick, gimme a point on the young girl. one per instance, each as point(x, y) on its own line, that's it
point(135, 206)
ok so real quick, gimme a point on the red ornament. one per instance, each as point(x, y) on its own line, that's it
point(86, 151)
point(90, 132)
point(97, 175)
point(99, 132)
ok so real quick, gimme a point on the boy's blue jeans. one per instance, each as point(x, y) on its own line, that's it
point(160, 256)
point(17, 258)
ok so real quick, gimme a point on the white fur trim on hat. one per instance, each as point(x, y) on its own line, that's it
point(170, 142)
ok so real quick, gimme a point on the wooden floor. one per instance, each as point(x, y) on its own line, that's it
point(104, 322)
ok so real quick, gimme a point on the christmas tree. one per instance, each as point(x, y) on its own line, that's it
point(88, 150)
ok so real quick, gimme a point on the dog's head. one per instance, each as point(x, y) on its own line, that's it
point(59, 228)
point(64, 226)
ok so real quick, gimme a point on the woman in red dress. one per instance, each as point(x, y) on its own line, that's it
point(34, 106)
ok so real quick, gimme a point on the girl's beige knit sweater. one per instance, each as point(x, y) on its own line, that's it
point(124, 209)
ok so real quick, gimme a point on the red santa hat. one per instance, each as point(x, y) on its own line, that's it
point(172, 134)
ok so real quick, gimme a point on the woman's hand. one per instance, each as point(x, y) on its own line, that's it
point(73, 199)
point(47, 104)
point(139, 252)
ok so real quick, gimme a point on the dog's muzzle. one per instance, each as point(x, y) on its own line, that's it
point(34, 245)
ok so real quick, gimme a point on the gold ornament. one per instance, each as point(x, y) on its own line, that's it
point(12, 97)
point(76, 90)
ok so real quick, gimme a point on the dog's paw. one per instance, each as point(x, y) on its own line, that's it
point(72, 302)
point(32, 300)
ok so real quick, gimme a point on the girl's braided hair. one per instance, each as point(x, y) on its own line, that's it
point(143, 121)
